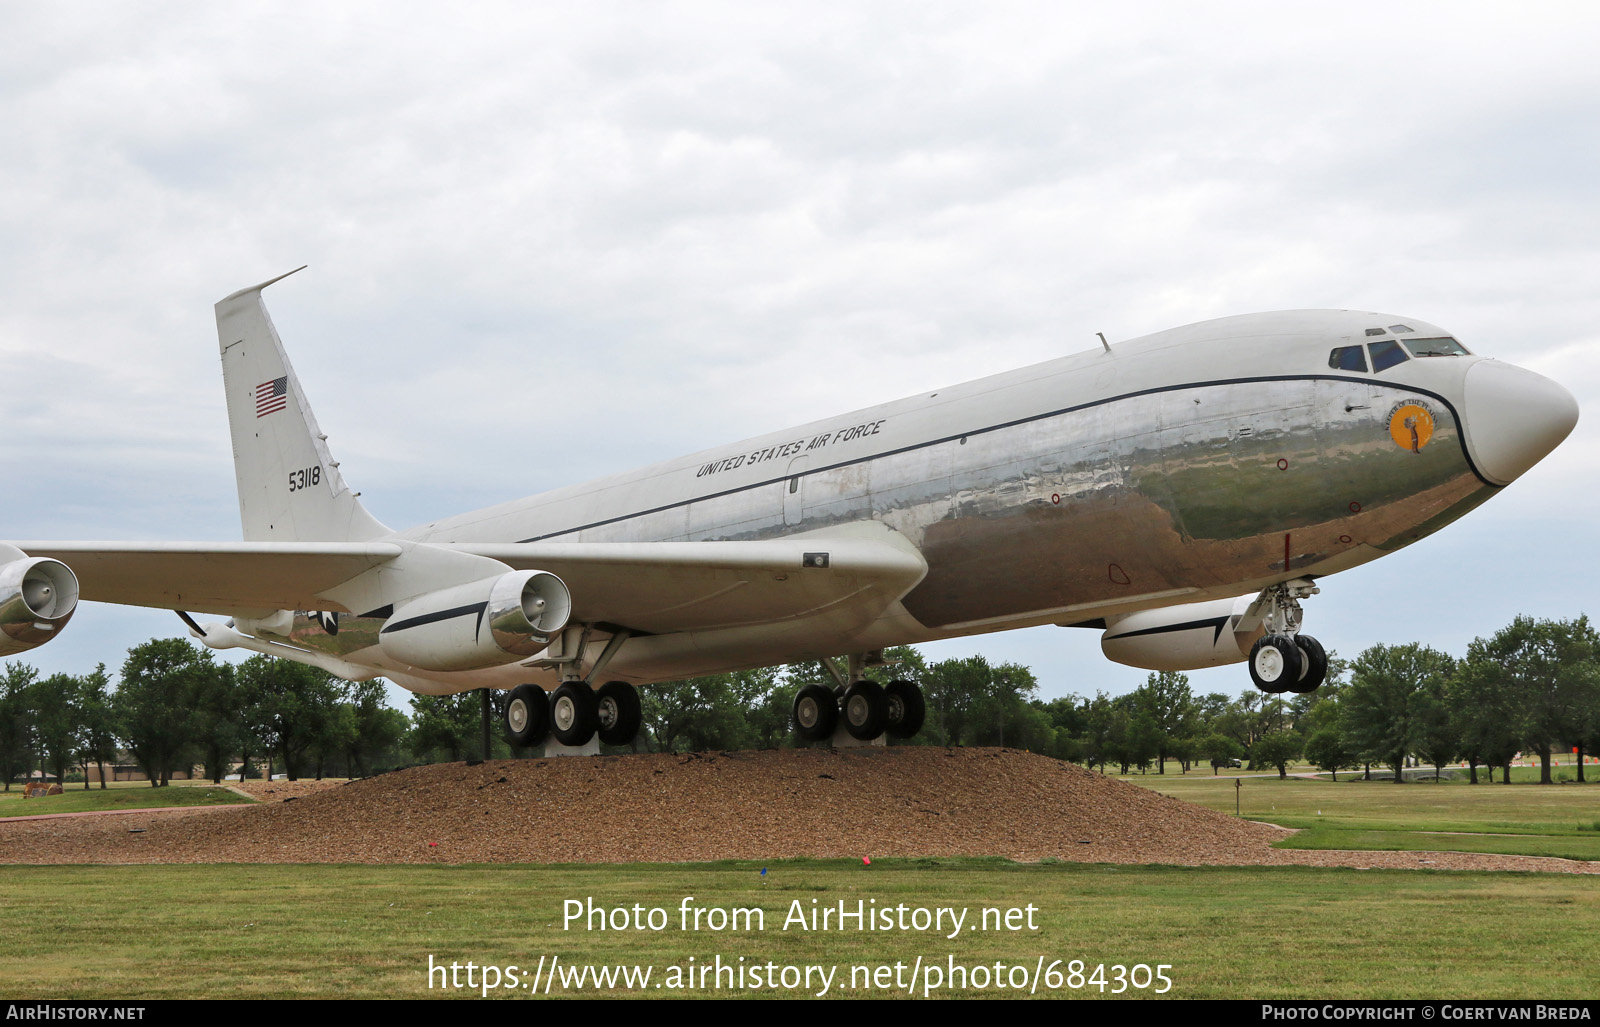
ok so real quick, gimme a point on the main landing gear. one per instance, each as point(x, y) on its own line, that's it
point(573, 714)
point(1283, 660)
point(865, 709)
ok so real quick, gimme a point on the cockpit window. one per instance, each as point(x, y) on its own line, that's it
point(1436, 348)
point(1386, 354)
point(1348, 358)
point(1398, 329)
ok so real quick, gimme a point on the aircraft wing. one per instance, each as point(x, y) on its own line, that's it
point(250, 579)
point(660, 587)
point(647, 587)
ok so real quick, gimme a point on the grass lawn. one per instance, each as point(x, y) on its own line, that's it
point(120, 795)
point(1522, 818)
point(368, 931)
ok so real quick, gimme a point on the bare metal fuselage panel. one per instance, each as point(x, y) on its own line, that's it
point(1194, 464)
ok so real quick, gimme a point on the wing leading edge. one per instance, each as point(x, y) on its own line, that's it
point(661, 587)
point(247, 579)
point(647, 587)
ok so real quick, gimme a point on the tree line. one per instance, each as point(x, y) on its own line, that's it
point(1532, 687)
point(175, 708)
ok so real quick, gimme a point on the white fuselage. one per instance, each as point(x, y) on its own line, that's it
point(1202, 462)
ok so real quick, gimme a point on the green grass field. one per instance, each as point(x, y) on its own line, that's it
point(120, 795)
point(1522, 818)
point(1272, 932)
point(297, 931)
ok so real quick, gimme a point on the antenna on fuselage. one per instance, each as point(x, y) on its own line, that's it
point(1103, 341)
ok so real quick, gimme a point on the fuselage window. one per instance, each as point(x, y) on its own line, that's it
point(1386, 354)
point(1348, 358)
point(1436, 348)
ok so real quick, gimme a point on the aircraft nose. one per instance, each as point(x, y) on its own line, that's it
point(1513, 418)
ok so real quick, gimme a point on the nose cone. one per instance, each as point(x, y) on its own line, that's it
point(1513, 418)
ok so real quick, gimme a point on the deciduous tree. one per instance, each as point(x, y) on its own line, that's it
point(1381, 712)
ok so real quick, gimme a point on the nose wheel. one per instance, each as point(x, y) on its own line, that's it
point(1314, 669)
point(1288, 663)
point(1284, 660)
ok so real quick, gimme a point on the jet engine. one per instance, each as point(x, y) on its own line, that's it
point(481, 624)
point(1188, 637)
point(37, 598)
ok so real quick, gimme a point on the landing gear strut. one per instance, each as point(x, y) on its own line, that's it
point(1283, 660)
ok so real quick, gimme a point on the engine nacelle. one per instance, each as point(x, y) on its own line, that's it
point(37, 598)
point(1189, 637)
point(481, 624)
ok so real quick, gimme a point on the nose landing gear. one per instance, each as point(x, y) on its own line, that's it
point(1283, 660)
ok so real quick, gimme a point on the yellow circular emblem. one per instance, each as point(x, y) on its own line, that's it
point(1411, 426)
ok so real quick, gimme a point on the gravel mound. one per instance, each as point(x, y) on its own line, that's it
point(902, 801)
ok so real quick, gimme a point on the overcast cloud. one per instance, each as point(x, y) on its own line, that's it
point(621, 232)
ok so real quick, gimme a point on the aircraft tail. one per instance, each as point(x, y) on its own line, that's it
point(290, 488)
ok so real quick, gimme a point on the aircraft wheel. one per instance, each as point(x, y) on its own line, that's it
point(1275, 662)
point(905, 709)
point(865, 710)
point(617, 711)
point(815, 713)
point(527, 716)
point(1314, 669)
point(573, 713)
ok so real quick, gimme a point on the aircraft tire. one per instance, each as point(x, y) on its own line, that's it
point(573, 713)
point(1275, 662)
point(906, 709)
point(1315, 665)
point(865, 710)
point(618, 713)
point(527, 716)
point(816, 712)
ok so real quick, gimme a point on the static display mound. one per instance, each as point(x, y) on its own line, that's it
point(771, 804)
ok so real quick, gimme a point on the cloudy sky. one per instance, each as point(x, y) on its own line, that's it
point(619, 232)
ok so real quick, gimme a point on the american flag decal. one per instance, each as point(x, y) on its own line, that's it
point(272, 396)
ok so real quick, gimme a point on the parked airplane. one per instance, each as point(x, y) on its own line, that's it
point(1181, 492)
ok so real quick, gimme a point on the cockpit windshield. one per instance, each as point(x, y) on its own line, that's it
point(1386, 354)
point(1348, 358)
point(1436, 348)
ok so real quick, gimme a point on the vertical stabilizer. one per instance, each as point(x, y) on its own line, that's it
point(290, 488)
